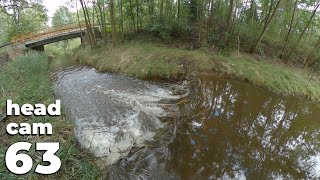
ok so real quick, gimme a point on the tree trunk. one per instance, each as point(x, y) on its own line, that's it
point(78, 17)
point(313, 52)
point(102, 21)
point(93, 37)
point(266, 25)
point(132, 15)
point(306, 62)
point(290, 30)
point(161, 10)
point(303, 32)
point(229, 22)
point(253, 11)
point(88, 25)
point(314, 62)
point(137, 15)
point(94, 33)
point(112, 22)
point(121, 21)
point(179, 5)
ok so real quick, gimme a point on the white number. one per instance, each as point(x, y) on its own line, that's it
point(48, 156)
point(13, 156)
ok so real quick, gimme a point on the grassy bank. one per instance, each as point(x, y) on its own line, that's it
point(158, 61)
point(26, 80)
point(146, 61)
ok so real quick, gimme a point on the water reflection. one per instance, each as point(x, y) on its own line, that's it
point(230, 129)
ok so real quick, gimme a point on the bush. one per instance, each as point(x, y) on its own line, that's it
point(176, 29)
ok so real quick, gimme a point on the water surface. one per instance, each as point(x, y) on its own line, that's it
point(231, 129)
point(112, 112)
point(223, 129)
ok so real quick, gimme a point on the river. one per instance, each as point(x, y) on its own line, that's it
point(222, 129)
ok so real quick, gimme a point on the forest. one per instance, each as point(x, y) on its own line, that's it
point(170, 89)
point(288, 30)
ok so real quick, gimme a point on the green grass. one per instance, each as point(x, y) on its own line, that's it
point(144, 60)
point(62, 47)
point(157, 61)
point(26, 80)
point(2, 50)
point(277, 78)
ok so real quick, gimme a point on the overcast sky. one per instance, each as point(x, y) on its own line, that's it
point(53, 5)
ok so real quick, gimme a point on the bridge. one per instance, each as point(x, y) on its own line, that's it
point(37, 40)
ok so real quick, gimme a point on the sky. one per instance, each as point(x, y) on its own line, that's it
point(53, 5)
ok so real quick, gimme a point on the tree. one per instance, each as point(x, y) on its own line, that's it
point(62, 16)
point(283, 25)
point(270, 15)
point(102, 16)
point(90, 34)
point(314, 50)
point(22, 16)
point(290, 29)
point(303, 32)
point(113, 28)
point(229, 21)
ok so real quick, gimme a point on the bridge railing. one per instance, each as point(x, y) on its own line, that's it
point(47, 33)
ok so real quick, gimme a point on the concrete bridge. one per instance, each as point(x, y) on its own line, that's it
point(36, 41)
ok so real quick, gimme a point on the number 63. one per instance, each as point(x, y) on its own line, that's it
point(50, 148)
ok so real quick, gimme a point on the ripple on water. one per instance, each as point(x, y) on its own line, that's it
point(112, 113)
point(225, 129)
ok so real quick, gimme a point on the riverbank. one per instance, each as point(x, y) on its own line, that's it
point(157, 61)
point(26, 80)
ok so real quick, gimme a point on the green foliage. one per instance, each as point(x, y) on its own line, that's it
point(27, 73)
point(176, 29)
point(62, 16)
point(150, 61)
point(2, 29)
point(146, 61)
point(277, 78)
point(267, 27)
point(224, 24)
point(26, 80)
point(161, 30)
point(22, 17)
point(62, 47)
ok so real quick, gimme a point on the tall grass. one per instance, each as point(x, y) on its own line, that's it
point(277, 78)
point(146, 61)
point(158, 61)
point(26, 80)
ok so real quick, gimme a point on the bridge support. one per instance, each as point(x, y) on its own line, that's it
point(38, 48)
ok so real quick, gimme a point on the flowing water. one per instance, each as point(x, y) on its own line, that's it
point(112, 113)
point(223, 129)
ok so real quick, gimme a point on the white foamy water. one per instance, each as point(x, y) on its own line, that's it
point(113, 113)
